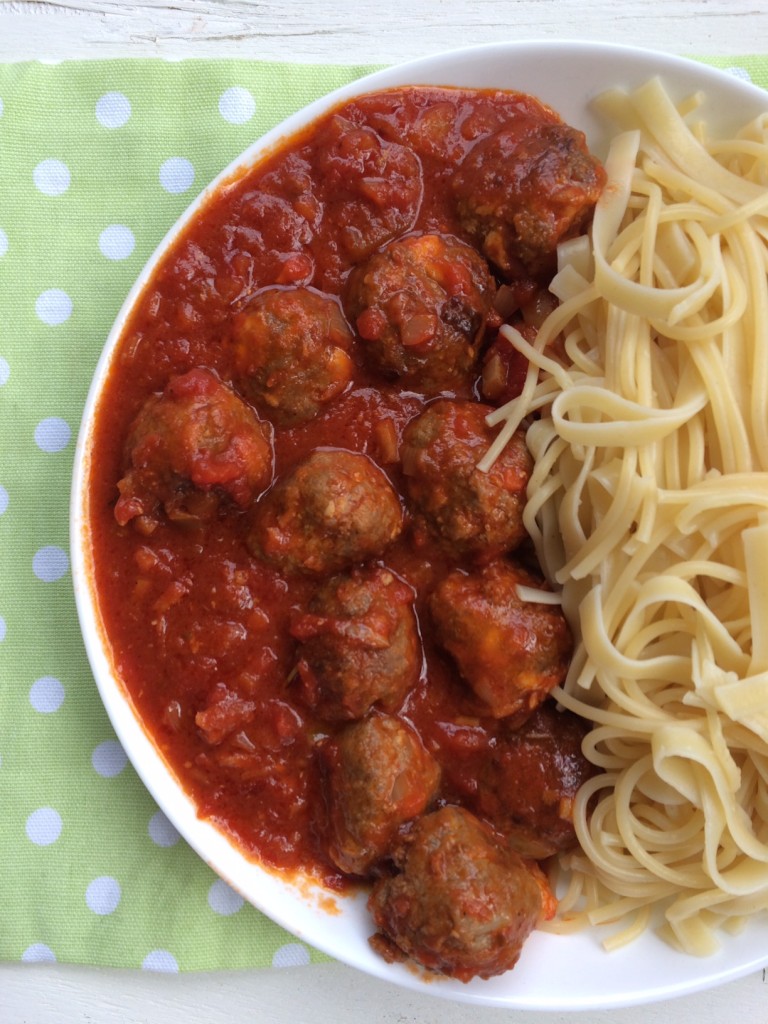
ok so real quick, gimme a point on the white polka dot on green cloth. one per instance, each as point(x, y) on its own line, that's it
point(4, 499)
point(237, 105)
point(3, 242)
point(176, 174)
point(43, 826)
point(52, 434)
point(3, 629)
point(5, 371)
point(38, 953)
point(51, 177)
point(46, 695)
point(161, 831)
point(292, 954)
point(117, 242)
point(160, 960)
point(50, 563)
point(53, 307)
point(103, 895)
point(113, 110)
point(222, 898)
point(109, 759)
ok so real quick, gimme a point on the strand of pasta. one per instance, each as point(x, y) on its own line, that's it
point(648, 506)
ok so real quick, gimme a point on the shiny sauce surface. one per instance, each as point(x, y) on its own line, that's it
point(198, 626)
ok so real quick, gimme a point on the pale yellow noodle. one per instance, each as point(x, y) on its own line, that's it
point(648, 506)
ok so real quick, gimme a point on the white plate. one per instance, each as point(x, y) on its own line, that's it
point(554, 973)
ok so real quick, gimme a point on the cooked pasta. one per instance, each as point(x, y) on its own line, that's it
point(646, 408)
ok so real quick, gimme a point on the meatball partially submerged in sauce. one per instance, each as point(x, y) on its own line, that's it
point(378, 776)
point(463, 902)
point(188, 448)
point(358, 644)
point(421, 305)
point(510, 651)
point(332, 510)
point(524, 189)
point(529, 782)
point(372, 187)
point(467, 511)
point(291, 352)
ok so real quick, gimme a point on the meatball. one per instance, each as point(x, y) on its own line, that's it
point(359, 644)
point(190, 446)
point(510, 651)
point(528, 784)
point(372, 187)
point(290, 352)
point(463, 903)
point(378, 776)
point(467, 511)
point(525, 188)
point(420, 305)
point(334, 509)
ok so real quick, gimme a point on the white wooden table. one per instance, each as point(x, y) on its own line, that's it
point(363, 31)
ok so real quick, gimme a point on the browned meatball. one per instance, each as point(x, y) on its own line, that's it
point(359, 644)
point(469, 512)
point(290, 352)
point(372, 187)
point(512, 652)
point(420, 305)
point(188, 447)
point(378, 776)
point(334, 509)
point(529, 782)
point(524, 189)
point(463, 903)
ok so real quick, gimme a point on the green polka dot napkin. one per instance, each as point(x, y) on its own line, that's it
point(97, 160)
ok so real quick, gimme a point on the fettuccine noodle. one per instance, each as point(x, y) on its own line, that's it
point(648, 508)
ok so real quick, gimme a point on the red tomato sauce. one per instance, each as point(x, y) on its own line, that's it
point(198, 626)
